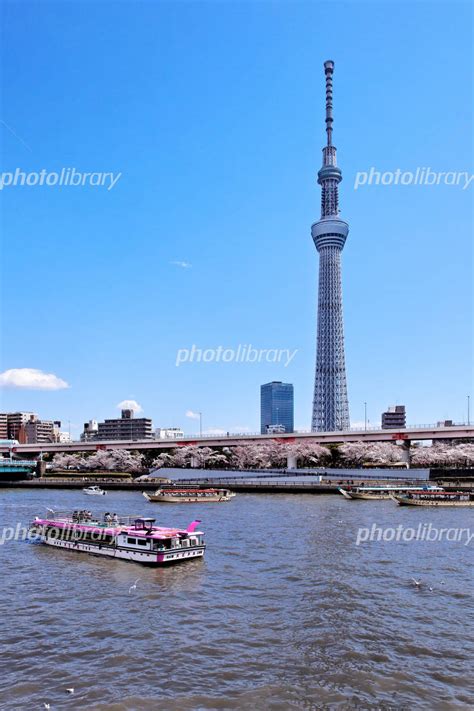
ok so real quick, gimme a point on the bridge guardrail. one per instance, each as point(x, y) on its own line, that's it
point(362, 430)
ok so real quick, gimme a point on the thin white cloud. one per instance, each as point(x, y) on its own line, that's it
point(130, 405)
point(183, 265)
point(192, 415)
point(215, 431)
point(31, 379)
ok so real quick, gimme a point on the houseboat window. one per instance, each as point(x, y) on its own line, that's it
point(164, 544)
point(132, 540)
point(142, 542)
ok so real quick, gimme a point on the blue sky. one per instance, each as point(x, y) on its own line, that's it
point(213, 112)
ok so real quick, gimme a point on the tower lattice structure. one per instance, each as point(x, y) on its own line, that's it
point(330, 403)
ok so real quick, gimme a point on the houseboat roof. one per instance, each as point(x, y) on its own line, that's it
point(126, 525)
point(191, 491)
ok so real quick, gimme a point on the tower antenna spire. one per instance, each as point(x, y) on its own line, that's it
point(329, 70)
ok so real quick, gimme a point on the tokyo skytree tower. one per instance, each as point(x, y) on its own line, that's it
point(330, 403)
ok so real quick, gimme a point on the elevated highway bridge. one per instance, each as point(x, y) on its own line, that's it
point(406, 436)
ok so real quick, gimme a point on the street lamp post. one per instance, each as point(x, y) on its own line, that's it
point(365, 415)
point(468, 410)
point(200, 424)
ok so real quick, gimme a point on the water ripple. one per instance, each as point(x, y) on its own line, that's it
point(285, 612)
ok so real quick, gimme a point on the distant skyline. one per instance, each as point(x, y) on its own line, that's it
point(213, 115)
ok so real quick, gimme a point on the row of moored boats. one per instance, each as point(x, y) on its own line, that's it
point(410, 495)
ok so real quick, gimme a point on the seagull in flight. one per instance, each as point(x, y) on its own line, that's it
point(416, 583)
point(70, 691)
point(134, 586)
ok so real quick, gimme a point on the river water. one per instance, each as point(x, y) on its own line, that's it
point(284, 612)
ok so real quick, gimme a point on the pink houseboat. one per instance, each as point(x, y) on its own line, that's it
point(134, 538)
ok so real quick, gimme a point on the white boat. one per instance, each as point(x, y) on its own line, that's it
point(94, 491)
point(133, 538)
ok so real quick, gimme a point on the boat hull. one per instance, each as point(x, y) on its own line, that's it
point(186, 500)
point(359, 495)
point(142, 557)
point(411, 502)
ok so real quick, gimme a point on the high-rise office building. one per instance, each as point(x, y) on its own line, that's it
point(276, 407)
point(330, 403)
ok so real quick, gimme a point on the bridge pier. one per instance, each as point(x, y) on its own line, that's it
point(291, 462)
point(405, 451)
point(40, 468)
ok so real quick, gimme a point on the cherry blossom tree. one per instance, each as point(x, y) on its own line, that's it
point(65, 461)
point(120, 460)
point(359, 453)
point(262, 455)
point(191, 455)
point(441, 455)
point(309, 453)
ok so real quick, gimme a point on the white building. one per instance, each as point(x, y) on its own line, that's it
point(276, 429)
point(169, 433)
point(91, 430)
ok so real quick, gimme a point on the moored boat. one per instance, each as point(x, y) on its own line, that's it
point(134, 538)
point(94, 491)
point(380, 492)
point(434, 498)
point(189, 495)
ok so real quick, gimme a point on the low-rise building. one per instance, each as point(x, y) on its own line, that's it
point(41, 431)
point(91, 430)
point(28, 428)
point(16, 422)
point(3, 425)
point(126, 427)
point(394, 418)
point(169, 433)
point(276, 429)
